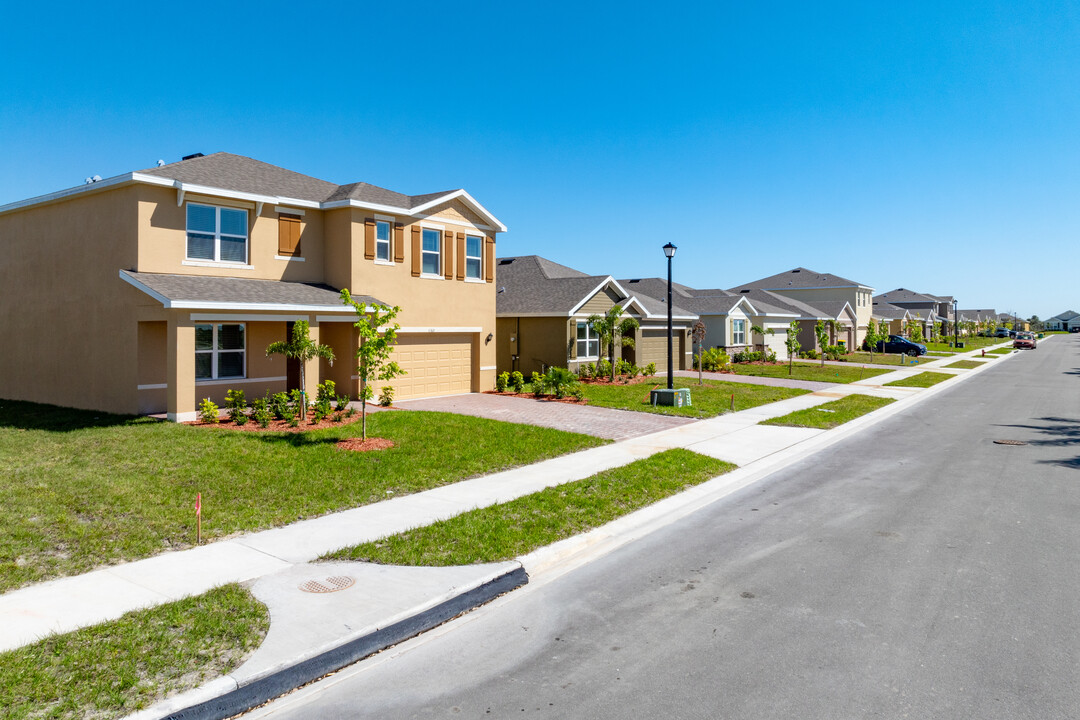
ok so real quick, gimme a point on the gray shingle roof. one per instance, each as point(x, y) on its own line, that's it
point(887, 311)
point(197, 290)
point(1065, 316)
point(979, 315)
point(236, 172)
point(782, 305)
point(902, 295)
point(702, 302)
point(798, 279)
point(537, 286)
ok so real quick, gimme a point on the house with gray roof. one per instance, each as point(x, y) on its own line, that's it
point(1063, 321)
point(820, 296)
point(542, 311)
point(171, 282)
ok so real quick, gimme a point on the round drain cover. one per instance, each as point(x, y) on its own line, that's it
point(1009, 442)
point(329, 585)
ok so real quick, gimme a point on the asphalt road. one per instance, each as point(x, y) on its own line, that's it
point(916, 570)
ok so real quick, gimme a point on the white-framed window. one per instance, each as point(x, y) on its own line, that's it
point(474, 246)
point(430, 251)
point(220, 351)
point(738, 332)
point(217, 234)
point(382, 240)
point(588, 342)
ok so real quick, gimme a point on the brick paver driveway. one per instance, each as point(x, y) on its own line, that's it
point(596, 421)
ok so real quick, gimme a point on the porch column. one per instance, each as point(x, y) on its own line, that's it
point(312, 375)
point(180, 372)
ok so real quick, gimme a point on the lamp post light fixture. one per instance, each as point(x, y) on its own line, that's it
point(669, 251)
point(956, 323)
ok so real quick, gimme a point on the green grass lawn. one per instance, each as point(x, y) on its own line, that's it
point(879, 358)
point(971, 342)
point(84, 489)
point(831, 414)
point(709, 400)
point(923, 379)
point(809, 370)
point(119, 667)
point(512, 529)
point(938, 353)
point(966, 364)
point(999, 351)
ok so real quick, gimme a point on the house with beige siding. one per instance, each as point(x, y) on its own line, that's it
point(542, 311)
point(145, 292)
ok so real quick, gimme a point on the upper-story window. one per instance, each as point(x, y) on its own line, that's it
point(382, 240)
point(473, 247)
point(738, 332)
point(431, 251)
point(218, 234)
point(219, 351)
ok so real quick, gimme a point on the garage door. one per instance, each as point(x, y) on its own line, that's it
point(654, 349)
point(436, 365)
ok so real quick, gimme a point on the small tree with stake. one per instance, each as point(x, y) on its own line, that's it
point(698, 333)
point(792, 343)
point(302, 348)
point(378, 334)
point(610, 329)
point(873, 335)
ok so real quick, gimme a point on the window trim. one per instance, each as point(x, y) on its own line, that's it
point(591, 336)
point(214, 351)
point(389, 242)
point(438, 253)
point(217, 235)
point(738, 328)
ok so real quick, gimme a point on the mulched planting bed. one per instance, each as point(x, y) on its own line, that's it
point(358, 445)
point(282, 425)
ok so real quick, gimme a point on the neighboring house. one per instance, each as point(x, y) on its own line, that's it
point(982, 319)
point(542, 313)
point(728, 317)
point(145, 292)
point(826, 293)
point(894, 315)
point(1062, 320)
point(924, 309)
point(1013, 321)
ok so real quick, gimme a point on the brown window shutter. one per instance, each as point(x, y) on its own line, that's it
point(416, 251)
point(288, 235)
point(489, 258)
point(399, 243)
point(448, 254)
point(461, 256)
point(369, 238)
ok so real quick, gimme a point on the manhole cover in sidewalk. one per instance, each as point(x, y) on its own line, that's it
point(1009, 442)
point(329, 585)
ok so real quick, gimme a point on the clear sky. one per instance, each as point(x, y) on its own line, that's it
point(925, 145)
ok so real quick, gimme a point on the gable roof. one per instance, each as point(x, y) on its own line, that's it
point(978, 315)
point(1065, 316)
point(886, 311)
point(229, 175)
point(227, 293)
point(532, 285)
point(902, 295)
point(784, 305)
point(800, 279)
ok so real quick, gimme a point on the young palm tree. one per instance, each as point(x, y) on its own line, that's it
point(758, 330)
point(303, 348)
point(610, 329)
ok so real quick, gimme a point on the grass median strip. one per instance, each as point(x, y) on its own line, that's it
point(965, 364)
point(805, 370)
point(999, 351)
point(710, 399)
point(85, 489)
point(923, 379)
point(831, 414)
point(512, 529)
point(116, 668)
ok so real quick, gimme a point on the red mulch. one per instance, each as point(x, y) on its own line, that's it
point(358, 445)
point(279, 425)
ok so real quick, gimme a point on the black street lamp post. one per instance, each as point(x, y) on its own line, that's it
point(956, 323)
point(669, 251)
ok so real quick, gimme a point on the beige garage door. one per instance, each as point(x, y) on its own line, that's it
point(654, 349)
point(436, 365)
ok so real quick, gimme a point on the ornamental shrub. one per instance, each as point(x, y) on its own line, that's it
point(279, 405)
point(260, 412)
point(559, 381)
point(650, 369)
point(712, 359)
point(517, 381)
point(603, 369)
point(634, 371)
point(501, 381)
point(208, 412)
point(386, 395)
point(584, 371)
point(537, 381)
point(342, 403)
point(237, 404)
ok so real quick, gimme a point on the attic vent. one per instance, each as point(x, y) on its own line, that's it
point(795, 271)
point(192, 156)
point(636, 280)
point(506, 262)
point(744, 291)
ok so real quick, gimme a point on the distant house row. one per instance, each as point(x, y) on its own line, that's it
point(1068, 320)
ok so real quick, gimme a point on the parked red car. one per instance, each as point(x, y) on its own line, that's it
point(1025, 340)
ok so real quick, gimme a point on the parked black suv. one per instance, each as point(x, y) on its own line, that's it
point(897, 344)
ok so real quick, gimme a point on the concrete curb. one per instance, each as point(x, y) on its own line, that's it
point(234, 699)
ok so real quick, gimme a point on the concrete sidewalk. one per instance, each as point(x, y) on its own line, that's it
point(278, 561)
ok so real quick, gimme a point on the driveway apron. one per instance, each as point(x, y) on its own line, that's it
point(596, 421)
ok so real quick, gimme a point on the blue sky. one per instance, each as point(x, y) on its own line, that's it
point(924, 145)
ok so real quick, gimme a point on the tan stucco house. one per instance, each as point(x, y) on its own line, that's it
point(145, 292)
point(542, 319)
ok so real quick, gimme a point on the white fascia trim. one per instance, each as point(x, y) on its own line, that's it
point(77, 190)
point(459, 330)
point(250, 307)
point(188, 188)
point(589, 295)
point(469, 200)
point(233, 317)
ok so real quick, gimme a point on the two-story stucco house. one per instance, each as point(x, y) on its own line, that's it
point(145, 292)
